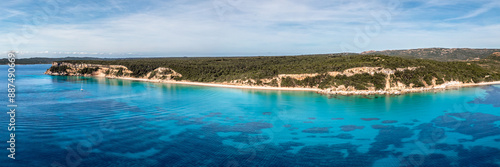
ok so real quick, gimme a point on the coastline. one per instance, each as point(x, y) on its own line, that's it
point(481, 84)
point(220, 85)
point(320, 91)
point(167, 75)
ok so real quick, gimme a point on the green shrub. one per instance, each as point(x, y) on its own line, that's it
point(88, 70)
point(153, 74)
point(58, 69)
point(119, 72)
point(212, 69)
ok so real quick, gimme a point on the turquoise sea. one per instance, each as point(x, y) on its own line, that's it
point(127, 123)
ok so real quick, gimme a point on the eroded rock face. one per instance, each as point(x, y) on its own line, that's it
point(348, 72)
point(110, 71)
point(73, 69)
point(392, 87)
point(163, 73)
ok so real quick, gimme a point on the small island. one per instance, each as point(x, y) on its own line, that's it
point(343, 74)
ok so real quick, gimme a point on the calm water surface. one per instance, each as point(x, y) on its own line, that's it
point(127, 123)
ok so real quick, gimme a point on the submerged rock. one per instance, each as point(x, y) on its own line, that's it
point(347, 128)
point(370, 119)
point(317, 130)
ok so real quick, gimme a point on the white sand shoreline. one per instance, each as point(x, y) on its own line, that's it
point(321, 91)
point(394, 89)
point(220, 85)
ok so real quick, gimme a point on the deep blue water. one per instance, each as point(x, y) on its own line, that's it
point(127, 123)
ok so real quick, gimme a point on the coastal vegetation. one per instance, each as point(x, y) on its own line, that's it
point(358, 81)
point(440, 54)
point(88, 70)
point(58, 69)
point(494, 56)
point(227, 69)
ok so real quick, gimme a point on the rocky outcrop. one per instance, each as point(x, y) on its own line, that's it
point(369, 70)
point(163, 73)
point(167, 74)
point(108, 71)
point(75, 69)
point(348, 72)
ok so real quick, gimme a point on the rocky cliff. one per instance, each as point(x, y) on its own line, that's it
point(108, 71)
point(167, 74)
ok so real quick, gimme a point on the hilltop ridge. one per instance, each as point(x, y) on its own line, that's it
point(440, 54)
point(332, 74)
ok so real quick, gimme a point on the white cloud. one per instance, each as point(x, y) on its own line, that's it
point(261, 27)
point(485, 8)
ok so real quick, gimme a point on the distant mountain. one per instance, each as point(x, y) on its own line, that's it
point(495, 56)
point(46, 60)
point(440, 54)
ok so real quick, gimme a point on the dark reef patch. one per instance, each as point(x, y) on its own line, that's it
point(348, 128)
point(213, 114)
point(363, 139)
point(370, 119)
point(408, 124)
point(464, 140)
point(390, 135)
point(288, 145)
point(429, 160)
point(477, 125)
point(479, 156)
point(492, 97)
point(340, 136)
point(380, 126)
point(317, 130)
point(331, 155)
point(447, 147)
point(389, 121)
point(184, 120)
point(250, 127)
point(247, 138)
point(429, 133)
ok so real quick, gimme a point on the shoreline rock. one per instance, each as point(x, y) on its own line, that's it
point(167, 75)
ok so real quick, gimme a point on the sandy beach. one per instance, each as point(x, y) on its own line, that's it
point(480, 84)
point(221, 85)
point(357, 92)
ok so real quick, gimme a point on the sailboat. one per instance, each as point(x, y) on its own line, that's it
point(81, 88)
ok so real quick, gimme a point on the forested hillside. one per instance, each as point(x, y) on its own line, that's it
point(440, 54)
point(46, 60)
point(226, 69)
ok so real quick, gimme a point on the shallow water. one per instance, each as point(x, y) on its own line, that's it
point(128, 123)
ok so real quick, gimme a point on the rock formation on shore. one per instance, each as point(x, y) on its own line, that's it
point(167, 74)
point(109, 71)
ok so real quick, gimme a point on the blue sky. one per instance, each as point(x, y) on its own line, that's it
point(114, 28)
